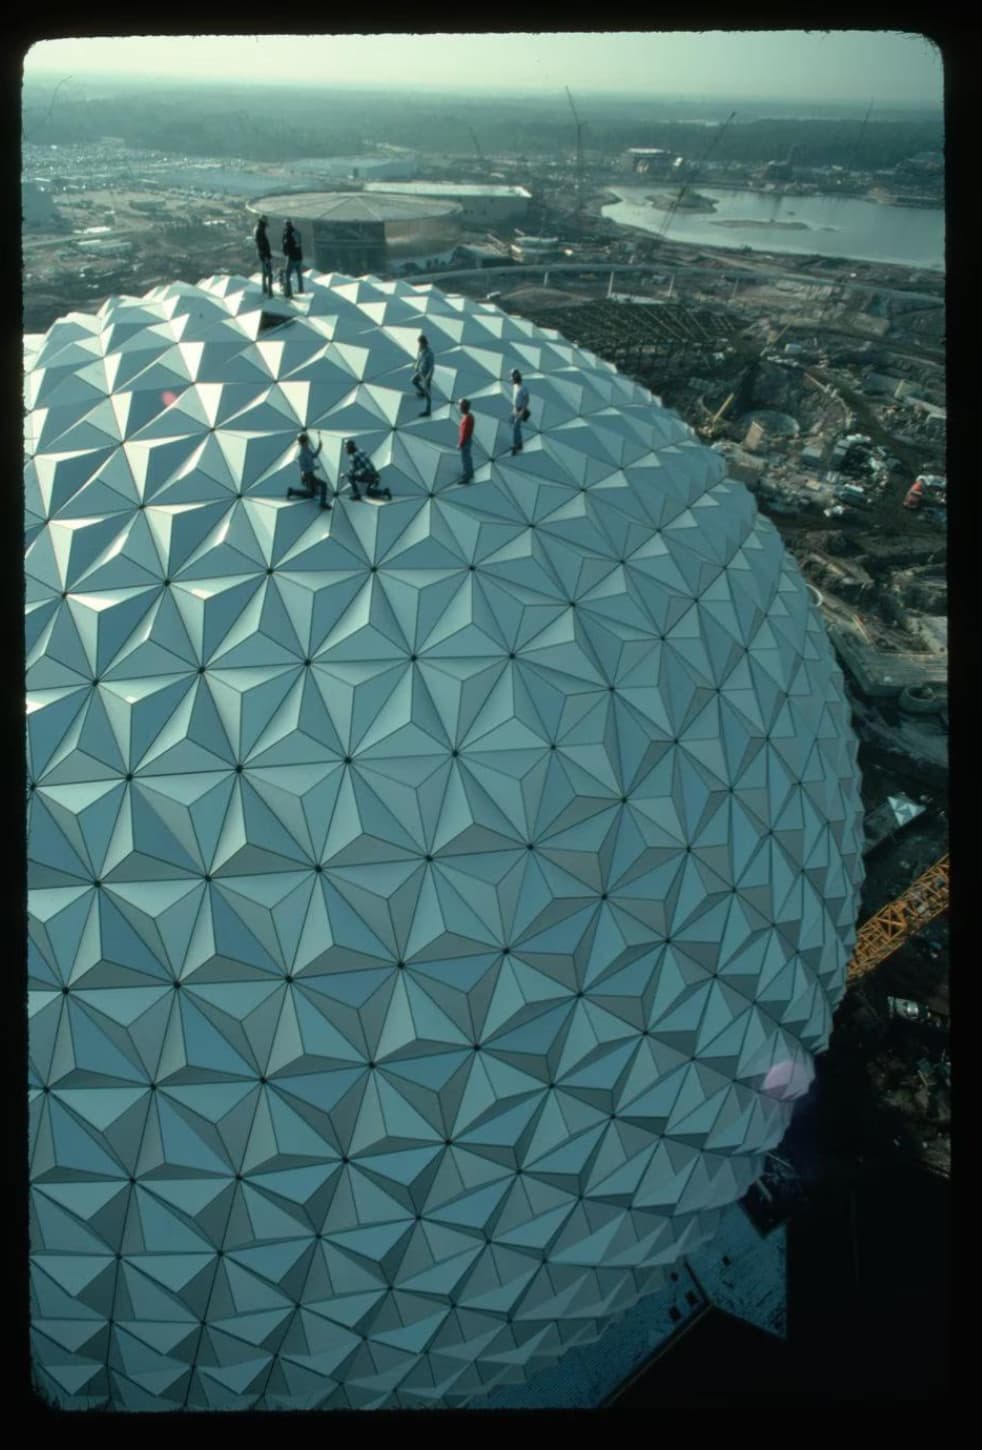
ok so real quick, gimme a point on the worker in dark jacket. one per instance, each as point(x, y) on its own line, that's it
point(519, 409)
point(464, 440)
point(422, 378)
point(293, 253)
point(307, 461)
point(363, 471)
point(265, 252)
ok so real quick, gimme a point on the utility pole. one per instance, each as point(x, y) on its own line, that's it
point(579, 154)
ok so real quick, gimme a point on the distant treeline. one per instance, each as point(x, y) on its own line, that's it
point(270, 124)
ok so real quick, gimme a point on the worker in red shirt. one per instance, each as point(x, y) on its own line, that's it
point(464, 440)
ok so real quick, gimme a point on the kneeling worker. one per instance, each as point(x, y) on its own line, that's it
point(363, 471)
point(307, 460)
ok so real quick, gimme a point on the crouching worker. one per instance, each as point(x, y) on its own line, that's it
point(307, 461)
point(364, 472)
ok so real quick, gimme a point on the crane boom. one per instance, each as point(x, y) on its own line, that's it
point(719, 413)
point(579, 152)
point(924, 899)
point(477, 147)
point(714, 139)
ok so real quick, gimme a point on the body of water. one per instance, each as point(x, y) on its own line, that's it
point(835, 226)
point(229, 181)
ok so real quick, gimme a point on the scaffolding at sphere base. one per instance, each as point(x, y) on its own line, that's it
point(628, 332)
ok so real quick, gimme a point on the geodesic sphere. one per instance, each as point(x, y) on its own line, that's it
point(435, 904)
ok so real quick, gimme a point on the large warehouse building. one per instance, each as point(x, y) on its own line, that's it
point(355, 232)
point(435, 906)
point(397, 167)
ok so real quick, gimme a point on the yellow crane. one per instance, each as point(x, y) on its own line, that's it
point(713, 424)
point(924, 899)
point(712, 427)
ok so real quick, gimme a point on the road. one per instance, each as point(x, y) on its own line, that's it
point(731, 272)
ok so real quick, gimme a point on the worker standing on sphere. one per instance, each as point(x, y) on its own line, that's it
point(265, 252)
point(464, 438)
point(293, 253)
point(422, 378)
point(519, 410)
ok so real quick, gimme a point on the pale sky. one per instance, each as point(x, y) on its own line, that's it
point(885, 67)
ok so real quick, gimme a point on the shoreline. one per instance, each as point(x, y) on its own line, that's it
point(749, 255)
point(751, 222)
point(750, 259)
point(884, 198)
point(698, 204)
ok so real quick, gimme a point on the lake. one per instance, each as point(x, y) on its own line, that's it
point(835, 226)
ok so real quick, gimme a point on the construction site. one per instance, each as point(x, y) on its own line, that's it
point(822, 384)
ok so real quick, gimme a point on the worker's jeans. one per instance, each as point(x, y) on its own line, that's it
point(516, 433)
point(266, 267)
point(294, 264)
point(423, 386)
point(370, 483)
point(467, 462)
point(313, 485)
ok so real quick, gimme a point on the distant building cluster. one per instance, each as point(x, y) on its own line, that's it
point(652, 161)
point(400, 167)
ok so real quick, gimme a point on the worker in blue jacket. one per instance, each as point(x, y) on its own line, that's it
point(307, 462)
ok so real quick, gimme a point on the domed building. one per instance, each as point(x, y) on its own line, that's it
point(435, 905)
point(358, 232)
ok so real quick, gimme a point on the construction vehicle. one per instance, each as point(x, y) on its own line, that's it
point(926, 488)
point(925, 899)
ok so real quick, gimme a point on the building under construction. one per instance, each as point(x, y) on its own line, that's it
point(362, 232)
point(638, 334)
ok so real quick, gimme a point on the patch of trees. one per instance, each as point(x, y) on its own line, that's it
point(273, 124)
